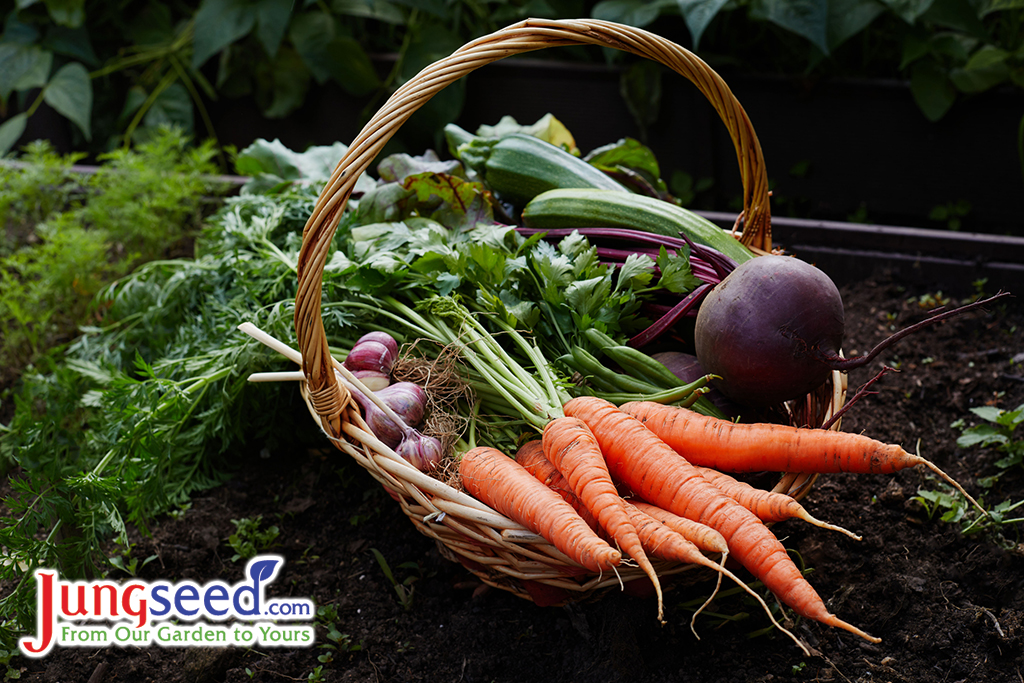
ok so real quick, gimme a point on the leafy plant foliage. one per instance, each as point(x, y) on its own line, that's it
point(997, 431)
point(119, 72)
point(946, 48)
point(65, 234)
point(151, 402)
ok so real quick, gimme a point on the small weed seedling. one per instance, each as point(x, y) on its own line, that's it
point(249, 540)
point(930, 301)
point(180, 511)
point(951, 213)
point(11, 673)
point(404, 590)
point(997, 431)
point(340, 643)
point(127, 563)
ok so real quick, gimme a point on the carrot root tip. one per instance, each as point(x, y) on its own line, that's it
point(810, 519)
point(839, 623)
point(718, 586)
point(950, 480)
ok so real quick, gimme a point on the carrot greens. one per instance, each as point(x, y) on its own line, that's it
point(150, 403)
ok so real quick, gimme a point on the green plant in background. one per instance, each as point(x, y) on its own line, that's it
point(10, 672)
point(249, 539)
point(106, 68)
point(127, 562)
point(65, 234)
point(118, 72)
point(951, 213)
point(686, 190)
point(997, 431)
point(930, 300)
point(946, 49)
point(39, 185)
point(340, 643)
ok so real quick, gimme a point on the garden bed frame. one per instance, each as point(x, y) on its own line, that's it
point(849, 252)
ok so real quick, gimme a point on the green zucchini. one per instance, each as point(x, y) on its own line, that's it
point(584, 208)
point(518, 167)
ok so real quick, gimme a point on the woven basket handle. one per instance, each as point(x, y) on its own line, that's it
point(328, 397)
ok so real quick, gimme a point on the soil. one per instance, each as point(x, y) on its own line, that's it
point(948, 607)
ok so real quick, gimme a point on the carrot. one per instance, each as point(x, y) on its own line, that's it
point(769, 506)
point(497, 480)
point(733, 447)
point(657, 474)
point(663, 534)
point(701, 535)
point(531, 456)
point(661, 541)
point(572, 448)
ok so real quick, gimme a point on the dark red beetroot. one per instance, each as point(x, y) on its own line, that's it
point(773, 328)
point(767, 328)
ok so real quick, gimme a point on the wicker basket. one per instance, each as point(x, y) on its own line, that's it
point(498, 550)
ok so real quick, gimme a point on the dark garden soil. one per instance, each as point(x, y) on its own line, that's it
point(948, 608)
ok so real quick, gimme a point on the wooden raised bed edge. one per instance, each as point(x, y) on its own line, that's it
point(850, 252)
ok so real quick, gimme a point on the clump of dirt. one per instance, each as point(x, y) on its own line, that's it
point(948, 607)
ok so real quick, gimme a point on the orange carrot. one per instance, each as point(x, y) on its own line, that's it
point(660, 476)
point(663, 534)
point(497, 480)
point(661, 541)
point(531, 456)
point(733, 447)
point(701, 535)
point(769, 506)
point(570, 446)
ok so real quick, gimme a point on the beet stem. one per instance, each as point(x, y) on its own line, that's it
point(722, 264)
point(861, 393)
point(701, 269)
point(663, 324)
point(837, 362)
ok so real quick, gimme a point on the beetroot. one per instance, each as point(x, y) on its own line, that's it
point(770, 329)
point(773, 328)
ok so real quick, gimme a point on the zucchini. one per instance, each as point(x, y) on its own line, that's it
point(518, 167)
point(584, 208)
